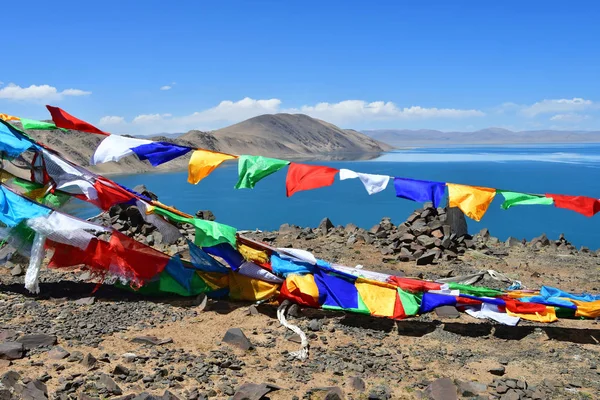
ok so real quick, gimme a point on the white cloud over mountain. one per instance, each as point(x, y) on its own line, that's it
point(37, 93)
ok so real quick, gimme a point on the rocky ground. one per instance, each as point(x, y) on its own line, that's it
point(77, 340)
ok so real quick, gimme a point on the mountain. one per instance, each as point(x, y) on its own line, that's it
point(280, 135)
point(288, 135)
point(425, 137)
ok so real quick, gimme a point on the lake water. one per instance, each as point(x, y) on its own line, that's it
point(563, 169)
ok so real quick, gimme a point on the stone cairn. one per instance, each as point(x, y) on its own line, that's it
point(427, 235)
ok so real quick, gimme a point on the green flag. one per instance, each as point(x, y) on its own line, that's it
point(523, 199)
point(35, 191)
point(479, 291)
point(252, 169)
point(33, 124)
point(208, 233)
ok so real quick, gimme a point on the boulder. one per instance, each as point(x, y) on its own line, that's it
point(205, 215)
point(427, 258)
point(457, 222)
point(441, 389)
point(325, 226)
point(37, 340)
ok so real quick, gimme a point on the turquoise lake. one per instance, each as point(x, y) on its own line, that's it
point(563, 169)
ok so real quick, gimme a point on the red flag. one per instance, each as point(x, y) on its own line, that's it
point(62, 119)
point(413, 285)
point(584, 205)
point(306, 177)
point(109, 194)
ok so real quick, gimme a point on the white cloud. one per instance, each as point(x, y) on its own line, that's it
point(359, 110)
point(343, 113)
point(558, 106)
point(570, 117)
point(37, 93)
point(111, 120)
point(166, 87)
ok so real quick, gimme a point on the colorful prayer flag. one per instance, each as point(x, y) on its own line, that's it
point(40, 125)
point(12, 141)
point(372, 183)
point(581, 204)
point(203, 162)
point(305, 177)
point(6, 117)
point(522, 199)
point(116, 147)
point(418, 190)
point(62, 119)
point(252, 169)
point(472, 200)
point(159, 152)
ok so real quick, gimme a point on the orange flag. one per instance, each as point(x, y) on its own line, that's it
point(472, 200)
point(203, 162)
point(6, 117)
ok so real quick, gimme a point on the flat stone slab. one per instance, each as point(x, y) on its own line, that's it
point(235, 337)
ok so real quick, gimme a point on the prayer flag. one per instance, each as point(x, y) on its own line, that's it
point(335, 291)
point(203, 262)
point(227, 253)
point(472, 200)
point(581, 204)
point(522, 199)
point(301, 289)
point(252, 169)
point(159, 152)
point(306, 177)
point(181, 274)
point(62, 119)
point(12, 141)
point(6, 117)
point(418, 190)
point(380, 298)
point(372, 183)
point(203, 162)
point(116, 147)
point(33, 124)
point(14, 208)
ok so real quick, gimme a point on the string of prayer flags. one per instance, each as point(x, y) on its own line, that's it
point(12, 141)
point(203, 162)
point(305, 177)
point(472, 200)
point(62, 119)
point(584, 205)
point(372, 183)
point(522, 199)
point(419, 190)
point(252, 169)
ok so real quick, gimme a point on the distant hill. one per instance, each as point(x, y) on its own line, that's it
point(288, 135)
point(280, 135)
point(425, 137)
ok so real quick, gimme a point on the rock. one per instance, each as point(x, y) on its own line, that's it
point(34, 390)
point(129, 357)
point(235, 337)
point(325, 226)
point(10, 378)
point(501, 388)
point(447, 312)
point(151, 340)
point(252, 310)
point(471, 389)
point(110, 385)
point(8, 335)
point(34, 341)
point(251, 391)
point(88, 360)
point(315, 325)
point(11, 350)
point(120, 370)
point(498, 371)
point(350, 228)
point(542, 240)
point(427, 258)
point(85, 301)
point(206, 215)
point(17, 270)
point(512, 242)
point(141, 189)
point(134, 216)
point(456, 220)
point(326, 393)
point(441, 389)
point(512, 394)
point(357, 384)
point(426, 241)
point(58, 353)
point(287, 228)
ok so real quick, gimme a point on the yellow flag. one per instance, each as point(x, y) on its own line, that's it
point(472, 200)
point(379, 298)
point(6, 117)
point(203, 162)
point(251, 254)
point(548, 316)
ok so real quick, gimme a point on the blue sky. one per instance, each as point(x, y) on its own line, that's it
point(155, 66)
